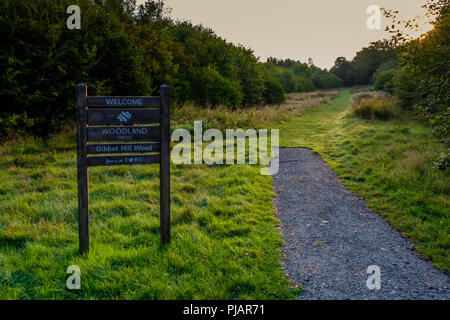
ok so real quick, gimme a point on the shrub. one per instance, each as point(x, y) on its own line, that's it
point(15, 125)
point(288, 81)
point(274, 92)
point(443, 161)
point(384, 81)
point(379, 108)
point(305, 85)
point(405, 87)
point(214, 90)
point(326, 80)
point(422, 83)
point(361, 95)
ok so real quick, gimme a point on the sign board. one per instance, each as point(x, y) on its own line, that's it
point(122, 131)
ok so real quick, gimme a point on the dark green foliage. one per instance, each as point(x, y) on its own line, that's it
point(288, 81)
point(384, 81)
point(305, 85)
point(326, 80)
point(369, 59)
point(15, 125)
point(212, 89)
point(422, 83)
point(121, 49)
point(405, 84)
point(296, 76)
point(274, 91)
point(385, 66)
point(344, 69)
point(384, 77)
point(378, 56)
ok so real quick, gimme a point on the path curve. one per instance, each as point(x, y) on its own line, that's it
point(331, 237)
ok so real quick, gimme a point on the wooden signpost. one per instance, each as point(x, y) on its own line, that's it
point(130, 125)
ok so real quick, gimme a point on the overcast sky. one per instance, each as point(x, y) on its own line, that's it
point(296, 29)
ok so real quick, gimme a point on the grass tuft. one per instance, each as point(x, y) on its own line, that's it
point(379, 108)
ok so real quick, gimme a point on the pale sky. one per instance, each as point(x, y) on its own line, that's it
point(296, 29)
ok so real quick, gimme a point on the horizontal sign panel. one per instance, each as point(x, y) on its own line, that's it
point(123, 147)
point(136, 133)
point(104, 102)
point(122, 160)
point(127, 116)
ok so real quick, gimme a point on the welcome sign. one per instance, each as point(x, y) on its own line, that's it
point(138, 128)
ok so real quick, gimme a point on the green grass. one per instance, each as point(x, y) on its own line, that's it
point(389, 164)
point(225, 240)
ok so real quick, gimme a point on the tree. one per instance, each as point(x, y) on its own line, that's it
point(367, 60)
point(122, 49)
point(344, 70)
point(422, 83)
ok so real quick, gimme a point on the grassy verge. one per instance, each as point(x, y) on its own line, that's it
point(223, 118)
point(225, 245)
point(389, 164)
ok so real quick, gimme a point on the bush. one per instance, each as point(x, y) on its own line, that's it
point(305, 85)
point(422, 83)
point(405, 86)
point(288, 81)
point(274, 91)
point(327, 80)
point(443, 161)
point(378, 108)
point(15, 125)
point(384, 81)
point(214, 90)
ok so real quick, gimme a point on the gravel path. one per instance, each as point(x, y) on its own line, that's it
point(331, 237)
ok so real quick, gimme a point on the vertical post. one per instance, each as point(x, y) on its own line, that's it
point(83, 178)
point(164, 169)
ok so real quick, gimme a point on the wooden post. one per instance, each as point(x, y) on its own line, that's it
point(83, 178)
point(164, 173)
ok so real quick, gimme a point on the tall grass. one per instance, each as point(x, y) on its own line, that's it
point(377, 107)
point(256, 117)
point(391, 164)
point(225, 240)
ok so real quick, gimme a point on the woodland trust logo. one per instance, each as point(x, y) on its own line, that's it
point(213, 153)
point(124, 116)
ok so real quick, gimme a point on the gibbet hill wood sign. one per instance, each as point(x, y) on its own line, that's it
point(125, 126)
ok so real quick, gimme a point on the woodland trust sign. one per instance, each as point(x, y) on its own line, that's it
point(131, 121)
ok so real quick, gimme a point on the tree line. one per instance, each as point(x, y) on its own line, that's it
point(295, 76)
point(127, 49)
point(121, 49)
point(417, 70)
